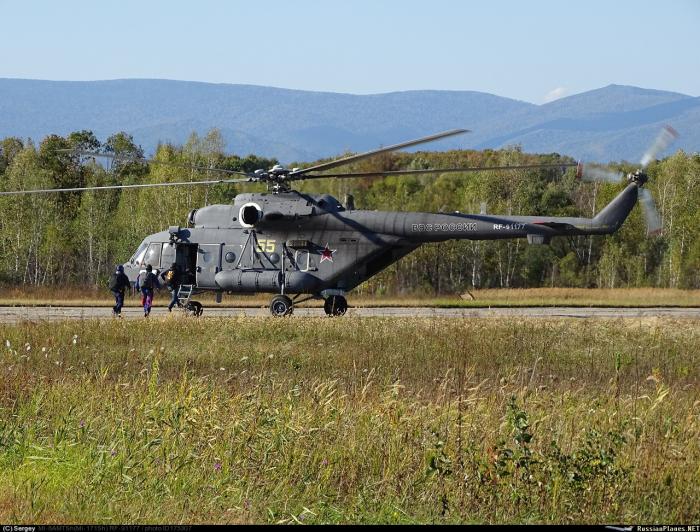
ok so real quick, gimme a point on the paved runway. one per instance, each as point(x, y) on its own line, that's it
point(16, 314)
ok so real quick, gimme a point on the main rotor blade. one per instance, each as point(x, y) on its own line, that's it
point(119, 158)
point(300, 174)
point(665, 137)
point(117, 187)
point(651, 215)
point(442, 170)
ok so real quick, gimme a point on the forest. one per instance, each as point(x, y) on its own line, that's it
point(77, 238)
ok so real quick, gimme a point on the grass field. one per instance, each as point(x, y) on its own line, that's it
point(578, 297)
point(365, 420)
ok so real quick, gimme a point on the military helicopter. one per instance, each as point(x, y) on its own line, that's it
point(288, 243)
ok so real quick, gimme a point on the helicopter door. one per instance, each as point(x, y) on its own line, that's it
point(208, 264)
point(186, 258)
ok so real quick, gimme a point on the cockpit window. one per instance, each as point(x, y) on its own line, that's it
point(137, 258)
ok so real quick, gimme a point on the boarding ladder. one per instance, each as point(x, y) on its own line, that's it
point(183, 294)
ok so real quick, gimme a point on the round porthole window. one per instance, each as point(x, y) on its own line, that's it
point(230, 256)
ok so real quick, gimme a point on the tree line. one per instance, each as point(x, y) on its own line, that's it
point(77, 238)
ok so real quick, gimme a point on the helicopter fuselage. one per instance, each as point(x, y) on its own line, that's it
point(294, 243)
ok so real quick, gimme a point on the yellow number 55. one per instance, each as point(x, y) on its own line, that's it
point(268, 246)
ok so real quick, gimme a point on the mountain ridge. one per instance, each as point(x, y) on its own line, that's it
point(615, 122)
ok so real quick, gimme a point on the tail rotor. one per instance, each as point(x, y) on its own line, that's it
point(593, 172)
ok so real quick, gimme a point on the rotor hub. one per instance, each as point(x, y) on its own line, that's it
point(640, 177)
point(276, 178)
point(278, 170)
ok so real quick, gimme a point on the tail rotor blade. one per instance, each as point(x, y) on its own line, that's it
point(651, 215)
point(588, 172)
point(663, 140)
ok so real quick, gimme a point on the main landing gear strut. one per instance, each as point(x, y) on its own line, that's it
point(282, 305)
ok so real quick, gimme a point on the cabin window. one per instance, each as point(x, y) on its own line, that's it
point(153, 255)
point(167, 256)
point(301, 259)
point(205, 256)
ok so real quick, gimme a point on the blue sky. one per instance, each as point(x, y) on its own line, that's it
point(528, 50)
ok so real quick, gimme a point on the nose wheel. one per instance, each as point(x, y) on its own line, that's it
point(280, 306)
point(335, 306)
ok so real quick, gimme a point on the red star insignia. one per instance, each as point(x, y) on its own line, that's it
point(327, 253)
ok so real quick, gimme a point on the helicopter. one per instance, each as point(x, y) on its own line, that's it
point(299, 246)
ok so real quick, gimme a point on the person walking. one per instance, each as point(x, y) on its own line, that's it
point(118, 283)
point(146, 283)
point(172, 279)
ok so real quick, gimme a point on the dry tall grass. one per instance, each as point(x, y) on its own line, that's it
point(586, 297)
point(362, 420)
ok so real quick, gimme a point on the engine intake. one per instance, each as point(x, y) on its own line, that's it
point(250, 214)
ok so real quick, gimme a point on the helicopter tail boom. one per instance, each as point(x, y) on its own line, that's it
point(418, 228)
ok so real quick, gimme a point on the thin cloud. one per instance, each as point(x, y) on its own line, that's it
point(555, 94)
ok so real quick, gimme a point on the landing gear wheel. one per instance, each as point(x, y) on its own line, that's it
point(335, 306)
point(281, 306)
point(194, 308)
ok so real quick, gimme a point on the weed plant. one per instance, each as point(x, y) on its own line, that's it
point(507, 297)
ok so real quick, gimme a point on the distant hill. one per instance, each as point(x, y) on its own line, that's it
point(612, 123)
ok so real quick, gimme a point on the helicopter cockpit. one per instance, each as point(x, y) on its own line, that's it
point(138, 257)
